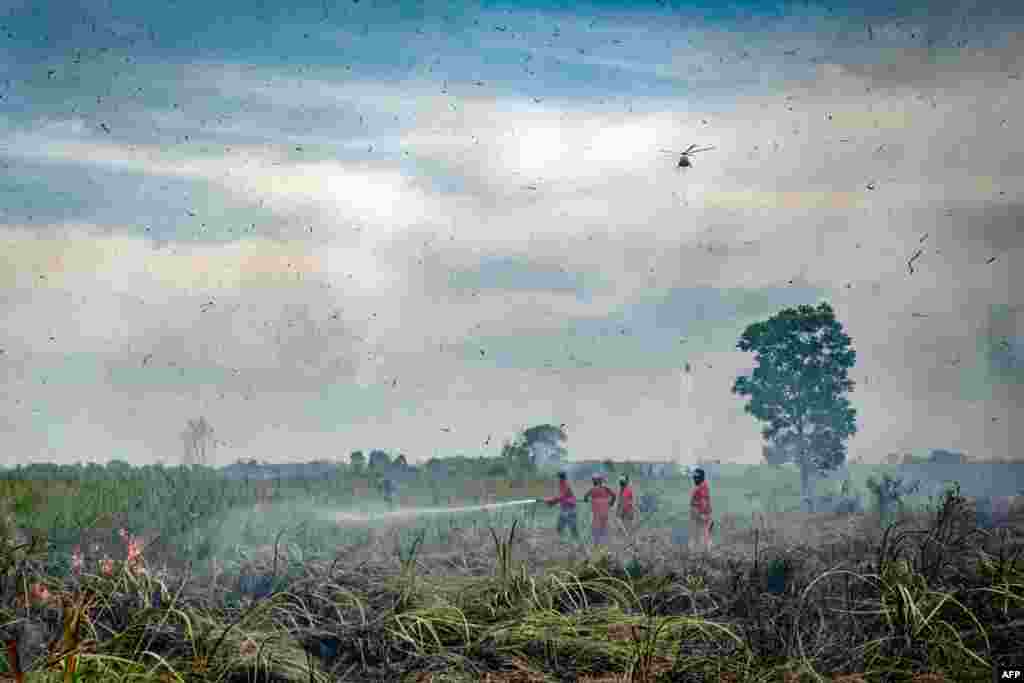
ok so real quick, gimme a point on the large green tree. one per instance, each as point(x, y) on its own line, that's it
point(519, 453)
point(546, 436)
point(379, 460)
point(799, 387)
point(516, 454)
point(357, 460)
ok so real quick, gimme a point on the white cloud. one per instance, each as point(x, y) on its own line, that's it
point(782, 197)
point(535, 148)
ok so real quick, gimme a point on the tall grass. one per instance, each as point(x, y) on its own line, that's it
point(486, 597)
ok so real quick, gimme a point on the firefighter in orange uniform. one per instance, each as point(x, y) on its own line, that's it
point(566, 501)
point(700, 512)
point(601, 499)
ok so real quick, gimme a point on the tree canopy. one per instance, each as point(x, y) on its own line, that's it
point(546, 433)
point(519, 452)
point(357, 460)
point(379, 460)
point(800, 385)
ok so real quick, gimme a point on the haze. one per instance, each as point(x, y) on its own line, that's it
point(425, 227)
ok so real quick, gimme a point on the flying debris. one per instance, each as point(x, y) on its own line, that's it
point(684, 156)
point(991, 260)
point(910, 263)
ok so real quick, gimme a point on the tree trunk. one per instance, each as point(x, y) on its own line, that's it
point(806, 492)
point(884, 508)
point(806, 475)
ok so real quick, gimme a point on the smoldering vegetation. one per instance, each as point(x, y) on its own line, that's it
point(327, 580)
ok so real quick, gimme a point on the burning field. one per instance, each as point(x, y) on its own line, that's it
point(305, 590)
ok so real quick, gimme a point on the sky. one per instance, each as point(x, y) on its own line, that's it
point(424, 227)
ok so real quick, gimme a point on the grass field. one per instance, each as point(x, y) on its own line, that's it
point(203, 584)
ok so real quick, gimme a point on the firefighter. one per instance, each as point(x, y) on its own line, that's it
point(566, 501)
point(700, 512)
point(601, 499)
point(626, 510)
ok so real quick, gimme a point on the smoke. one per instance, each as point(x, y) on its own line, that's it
point(412, 513)
point(299, 523)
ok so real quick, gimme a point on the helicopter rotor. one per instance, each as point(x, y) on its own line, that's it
point(692, 149)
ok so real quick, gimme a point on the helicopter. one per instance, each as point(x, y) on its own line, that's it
point(684, 156)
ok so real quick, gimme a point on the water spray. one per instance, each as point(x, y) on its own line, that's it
point(418, 512)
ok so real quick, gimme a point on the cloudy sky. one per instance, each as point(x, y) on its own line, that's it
point(424, 226)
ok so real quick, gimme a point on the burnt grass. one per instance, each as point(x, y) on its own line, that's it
point(783, 597)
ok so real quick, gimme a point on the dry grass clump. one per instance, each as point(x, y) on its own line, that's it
point(784, 596)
